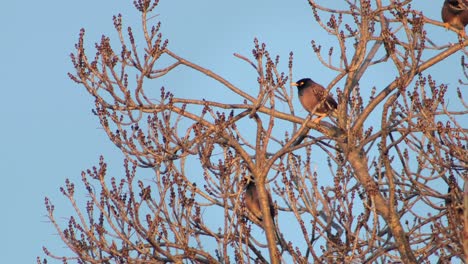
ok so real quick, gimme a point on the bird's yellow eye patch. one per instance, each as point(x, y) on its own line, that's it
point(301, 83)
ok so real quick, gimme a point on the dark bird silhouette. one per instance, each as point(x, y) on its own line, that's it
point(455, 14)
point(455, 213)
point(315, 99)
point(253, 204)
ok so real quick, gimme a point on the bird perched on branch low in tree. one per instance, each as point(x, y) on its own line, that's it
point(455, 14)
point(315, 99)
point(253, 204)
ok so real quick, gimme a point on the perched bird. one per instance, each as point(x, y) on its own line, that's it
point(455, 212)
point(455, 14)
point(253, 204)
point(314, 98)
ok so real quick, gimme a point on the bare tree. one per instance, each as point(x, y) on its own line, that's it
point(397, 189)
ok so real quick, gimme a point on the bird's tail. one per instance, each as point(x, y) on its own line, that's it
point(280, 239)
point(301, 138)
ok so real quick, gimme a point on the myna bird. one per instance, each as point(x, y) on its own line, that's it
point(455, 210)
point(455, 14)
point(315, 99)
point(253, 204)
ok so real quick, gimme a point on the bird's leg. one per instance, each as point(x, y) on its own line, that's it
point(462, 33)
point(317, 120)
point(446, 26)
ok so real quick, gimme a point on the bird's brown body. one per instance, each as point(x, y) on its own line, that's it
point(314, 98)
point(455, 13)
point(253, 204)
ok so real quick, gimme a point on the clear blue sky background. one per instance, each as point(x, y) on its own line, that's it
point(48, 132)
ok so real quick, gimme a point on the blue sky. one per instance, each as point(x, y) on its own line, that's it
point(48, 131)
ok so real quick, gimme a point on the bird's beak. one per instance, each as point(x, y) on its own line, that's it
point(293, 84)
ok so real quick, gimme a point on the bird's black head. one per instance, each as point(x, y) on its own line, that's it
point(302, 83)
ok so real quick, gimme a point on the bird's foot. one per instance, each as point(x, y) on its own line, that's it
point(317, 120)
point(446, 26)
point(462, 33)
